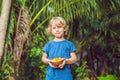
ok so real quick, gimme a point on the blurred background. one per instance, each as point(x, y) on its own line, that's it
point(94, 28)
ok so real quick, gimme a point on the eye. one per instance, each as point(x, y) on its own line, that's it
point(53, 27)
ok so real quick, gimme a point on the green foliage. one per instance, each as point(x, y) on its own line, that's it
point(97, 28)
point(83, 71)
point(108, 77)
point(36, 63)
point(6, 69)
point(20, 3)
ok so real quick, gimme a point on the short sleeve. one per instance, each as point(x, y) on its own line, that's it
point(72, 48)
point(46, 48)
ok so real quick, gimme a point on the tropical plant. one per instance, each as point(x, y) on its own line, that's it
point(107, 77)
point(93, 26)
point(83, 71)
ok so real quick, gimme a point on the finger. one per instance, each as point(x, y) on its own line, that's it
point(62, 65)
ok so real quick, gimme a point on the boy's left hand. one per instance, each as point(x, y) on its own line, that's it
point(63, 64)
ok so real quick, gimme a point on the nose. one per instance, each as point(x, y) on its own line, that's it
point(57, 29)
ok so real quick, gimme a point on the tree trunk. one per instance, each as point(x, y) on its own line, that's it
point(104, 70)
point(6, 4)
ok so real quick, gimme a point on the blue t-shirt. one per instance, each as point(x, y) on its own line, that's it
point(61, 49)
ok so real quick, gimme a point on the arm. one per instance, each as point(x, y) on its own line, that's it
point(72, 58)
point(45, 59)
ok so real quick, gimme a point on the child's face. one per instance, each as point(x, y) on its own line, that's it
point(57, 31)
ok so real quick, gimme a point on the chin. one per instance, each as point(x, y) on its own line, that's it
point(58, 36)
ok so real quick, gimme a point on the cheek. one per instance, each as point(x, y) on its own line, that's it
point(62, 29)
point(52, 29)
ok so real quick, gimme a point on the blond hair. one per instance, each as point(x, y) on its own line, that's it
point(58, 21)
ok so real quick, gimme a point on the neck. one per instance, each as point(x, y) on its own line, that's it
point(59, 39)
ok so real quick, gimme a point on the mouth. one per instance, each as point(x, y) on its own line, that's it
point(57, 33)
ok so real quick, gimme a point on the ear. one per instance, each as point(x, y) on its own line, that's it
point(66, 28)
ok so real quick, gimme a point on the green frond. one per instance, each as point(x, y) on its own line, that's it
point(40, 11)
point(115, 19)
